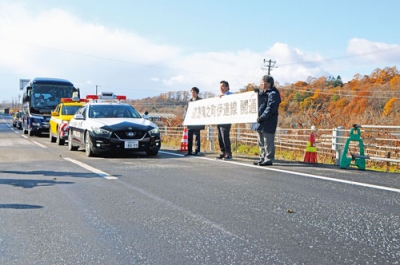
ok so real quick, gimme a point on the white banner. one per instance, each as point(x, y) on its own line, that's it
point(234, 108)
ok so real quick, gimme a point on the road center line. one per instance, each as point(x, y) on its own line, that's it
point(301, 174)
point(92, 169)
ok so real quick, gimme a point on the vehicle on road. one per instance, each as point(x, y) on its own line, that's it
point(40, 96)
point(106, 124)
point(17, 120)
point(60, 117)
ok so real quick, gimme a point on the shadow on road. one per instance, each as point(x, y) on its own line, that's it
point(51, 173)
point(31, 183)
point(19, 206)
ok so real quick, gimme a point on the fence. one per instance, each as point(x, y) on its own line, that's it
point(381, 143)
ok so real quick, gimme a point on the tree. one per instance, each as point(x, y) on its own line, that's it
point(310, 79)
point(339, 81)
point(335, 97)
point(395, 83)
point(307, 103)
point(297, 97)
point(300, 84)
point(319, 83)
point(387, 110)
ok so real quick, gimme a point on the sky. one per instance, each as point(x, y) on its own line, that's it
point(144, 48)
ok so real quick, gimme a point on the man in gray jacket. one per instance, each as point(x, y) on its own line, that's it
point(268, 101)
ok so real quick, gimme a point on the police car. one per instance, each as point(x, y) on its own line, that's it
point(60, 118)
point(106, 124)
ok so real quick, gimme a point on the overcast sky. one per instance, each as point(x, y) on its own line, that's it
point(145, 48)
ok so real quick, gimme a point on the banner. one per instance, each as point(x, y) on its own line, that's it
point(234, 108)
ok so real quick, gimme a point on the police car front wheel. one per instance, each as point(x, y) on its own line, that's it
point(88, 145)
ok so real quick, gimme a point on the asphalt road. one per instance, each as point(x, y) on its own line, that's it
point(60, 207)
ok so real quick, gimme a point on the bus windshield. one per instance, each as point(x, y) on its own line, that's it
point(45, 97)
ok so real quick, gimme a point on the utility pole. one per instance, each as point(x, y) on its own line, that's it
point(267, 65)
point(96, 88)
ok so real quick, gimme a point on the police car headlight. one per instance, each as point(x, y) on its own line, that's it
point(155, 131)
point(100, 131)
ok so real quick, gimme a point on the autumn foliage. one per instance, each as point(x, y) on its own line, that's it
point(325, 102)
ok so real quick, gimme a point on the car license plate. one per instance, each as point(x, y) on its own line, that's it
point(131, 144)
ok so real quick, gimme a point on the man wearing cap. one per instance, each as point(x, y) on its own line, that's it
point(268, 104)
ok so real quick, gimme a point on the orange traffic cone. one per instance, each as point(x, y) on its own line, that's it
point(184, 142)
point(311, 151)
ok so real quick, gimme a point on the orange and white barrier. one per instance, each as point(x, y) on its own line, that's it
point(184, 142)
point(311, 150)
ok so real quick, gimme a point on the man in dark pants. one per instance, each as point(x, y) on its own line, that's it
point(224, 129)
point(194, 129)
point(268, 105)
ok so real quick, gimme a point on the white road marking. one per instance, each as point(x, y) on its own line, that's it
point(90, 168)
point(39, 144)
point(168, 153)
point(301, 174)
point(324, 178)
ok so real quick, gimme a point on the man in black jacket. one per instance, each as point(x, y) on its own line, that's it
point(194, 129)
point(268, 102)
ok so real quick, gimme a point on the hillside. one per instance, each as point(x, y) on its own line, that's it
point(325, 101)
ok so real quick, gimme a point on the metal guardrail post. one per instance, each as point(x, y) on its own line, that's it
point(337, 142)
point(210, 136)
point(278, 134)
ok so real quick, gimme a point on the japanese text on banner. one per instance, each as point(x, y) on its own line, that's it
point(234, 108)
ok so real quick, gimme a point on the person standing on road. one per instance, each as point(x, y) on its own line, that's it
point(194, 129)
point(146, 115)
point(268, 101)
point(224, 129)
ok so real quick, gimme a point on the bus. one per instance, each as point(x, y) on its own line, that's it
point(40, 96)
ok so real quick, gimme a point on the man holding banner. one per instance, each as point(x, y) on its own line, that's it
point(194, 130)
point(224, 129)
point(223, 111)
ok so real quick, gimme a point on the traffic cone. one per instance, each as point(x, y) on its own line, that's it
point(311, 150)
point(184, 142)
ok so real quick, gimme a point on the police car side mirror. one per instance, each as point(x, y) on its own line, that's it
point(78, 117)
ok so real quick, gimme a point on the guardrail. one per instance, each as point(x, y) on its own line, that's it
point(381, 143)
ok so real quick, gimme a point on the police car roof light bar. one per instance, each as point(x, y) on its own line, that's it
point(88, 97)
point(121, 97)
point(106, 97)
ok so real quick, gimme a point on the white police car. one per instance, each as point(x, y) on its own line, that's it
point(105, 124)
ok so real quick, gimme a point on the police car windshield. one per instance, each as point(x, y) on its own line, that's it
point(113, 111)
